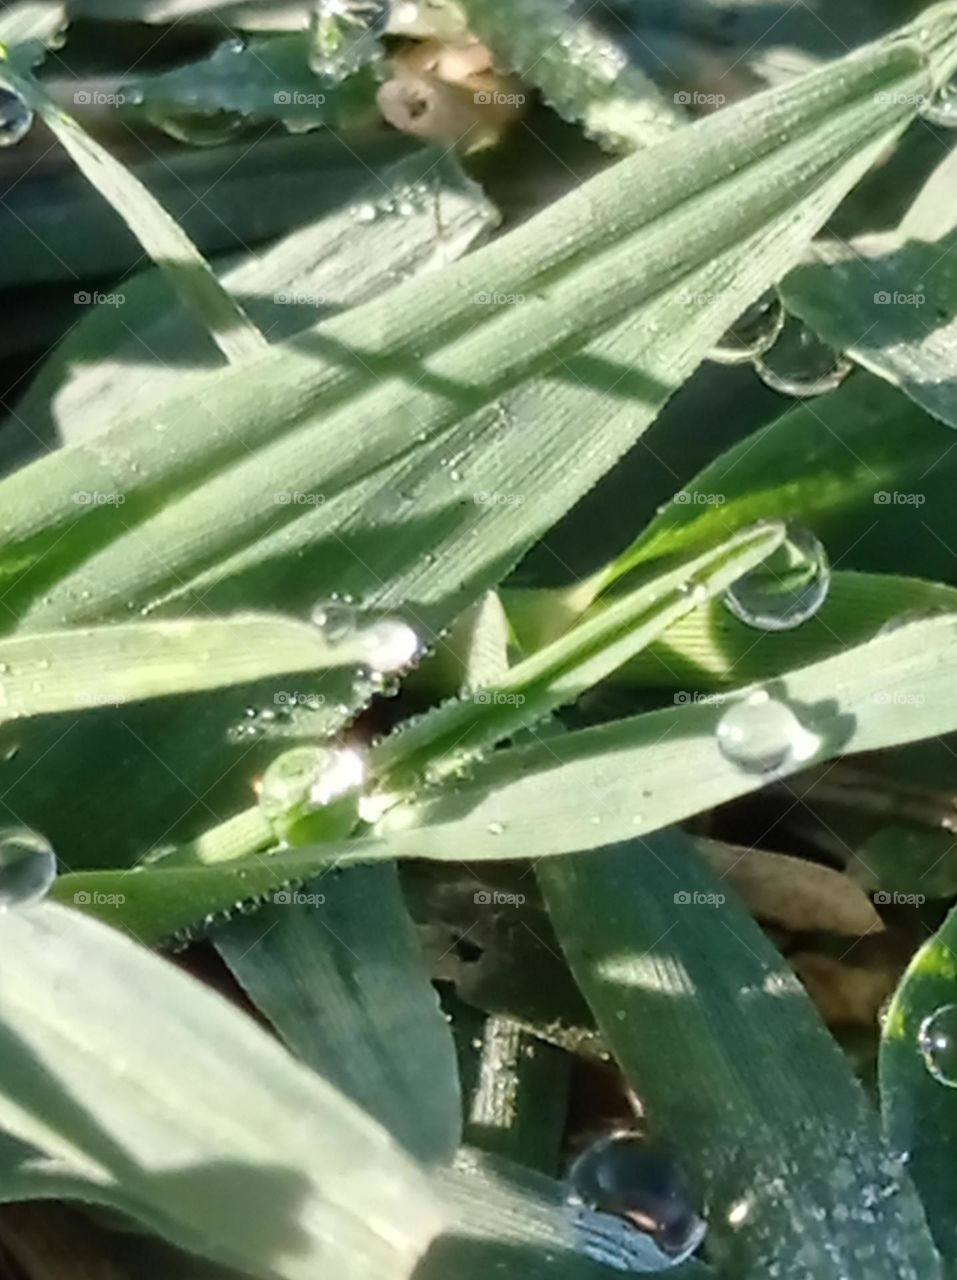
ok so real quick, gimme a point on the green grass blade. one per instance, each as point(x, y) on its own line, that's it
point(886, 302)
point(292, 421)
point(579, 790)
point(115, 357)
point(734, 1069)
point(339, 974)
point(444, 741)
point(579, 69)
point(161, 237)
point(102, 666)
point(920, 1112)
point(115, 1061)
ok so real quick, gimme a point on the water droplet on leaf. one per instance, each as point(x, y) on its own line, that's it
point(800, 364)
point(763, 735)
point(937, 1039)
point(27, 867)
point(312, 781)
point(628, 1176)
point(755, 331)
point(786, 589)
point(15, 118)
point(335, 619)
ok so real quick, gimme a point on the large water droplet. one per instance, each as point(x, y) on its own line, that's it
point(15, 118)
point(787, 588)
point(755, 331)
point(762, 735)
point(630, 1177)
point(308, 781)
point(937, 1040)
point(27, 867)
point(800, 364)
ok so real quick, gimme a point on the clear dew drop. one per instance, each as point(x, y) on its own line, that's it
point(197, 128)
point(755, 331)
point(390, 645)
point(309, 778)
point(16, 118)
point(937, 1040)
point(763, 735)
point(786, 589)
point(27, 867)
point(799, 364)
point(627, 1176)
point(336, 619)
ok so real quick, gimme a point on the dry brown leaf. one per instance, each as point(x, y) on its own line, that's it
point(802, 896)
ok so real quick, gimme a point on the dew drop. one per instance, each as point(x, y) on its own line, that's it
point(941, 110)
point(762, 735)
point(336, 619)
point(786, 589)
point(308, 780)
point(197, 128)
point(755, 331)
point(937, 1040)
point(800, 364)
point(495, 828)
point(15, 118)
point(390, 645)
point(27, 867)
point(629, 1177)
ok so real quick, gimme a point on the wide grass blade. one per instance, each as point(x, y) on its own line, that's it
point(125, 1068)
point(105, 666)
point(734, 1069)
point(920, 1108)
point(337, 969)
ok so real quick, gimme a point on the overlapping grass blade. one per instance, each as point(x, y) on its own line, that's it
point(132, 1072)
point(338, 972)
point(920, 1110)
point(160, 235)
point(734, 1069)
